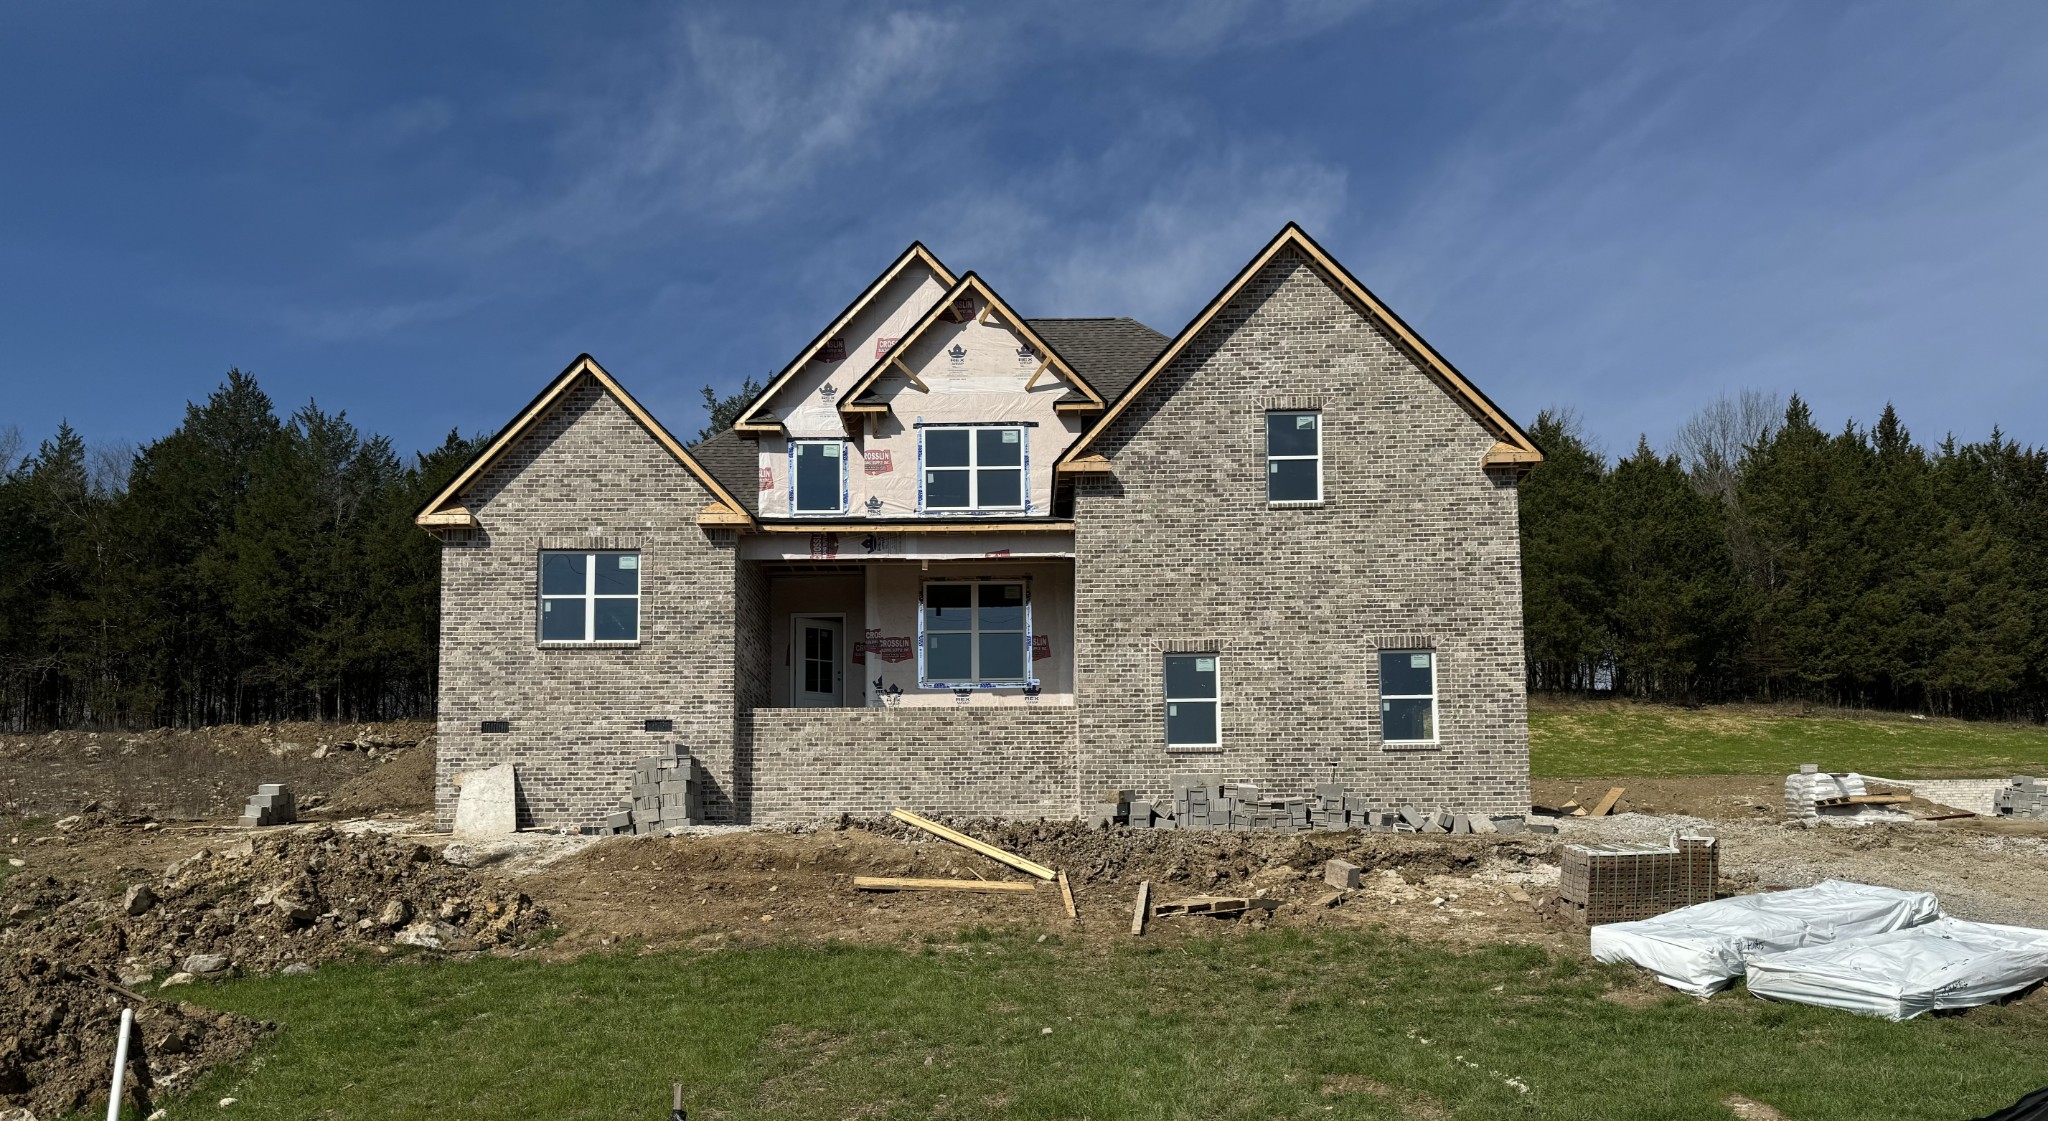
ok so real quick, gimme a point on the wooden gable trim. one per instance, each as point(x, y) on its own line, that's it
point(1086, 465)
point(916, 254)
point(1294, 237)
point(437, 513)
point(971, 283)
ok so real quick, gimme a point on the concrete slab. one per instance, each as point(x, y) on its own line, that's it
point(488, 805)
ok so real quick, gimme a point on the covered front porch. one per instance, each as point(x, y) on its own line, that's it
point(975, 620)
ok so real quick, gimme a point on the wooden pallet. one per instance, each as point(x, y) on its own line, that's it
point(1212, 905)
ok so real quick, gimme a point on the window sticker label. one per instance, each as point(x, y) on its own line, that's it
point(1173, 710)
point(1306, 421)
point(1010, 435)
point(1418, 661)
point(629, 564)
point(1205, 665)
point(831, 451)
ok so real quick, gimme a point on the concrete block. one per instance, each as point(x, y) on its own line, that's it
point(1507, 825)
point(1342, 874)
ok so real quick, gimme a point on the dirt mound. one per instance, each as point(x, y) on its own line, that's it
point(402, 781)
point(58, 1025)
point(277, 898)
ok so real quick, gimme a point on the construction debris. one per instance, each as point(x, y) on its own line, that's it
point(1607, 803)
point(1624, 882)
point(272, 804)
point(1213, 905)
point(1342, 874)
point(890, 883)
point(487, 805)
point(667, 794)
point(1212, 803)
point(2023, 797)
point(1813, 795)
point(1028, 867)
point(1138, 913)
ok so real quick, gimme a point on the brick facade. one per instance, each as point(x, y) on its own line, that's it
point(1413, 547)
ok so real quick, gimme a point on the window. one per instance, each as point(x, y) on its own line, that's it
point(1191, 701)
point(1294, 457)
point(817, 477)
point(974, 468)
point(589, 597)
point(975, 635)
point(1407, 696)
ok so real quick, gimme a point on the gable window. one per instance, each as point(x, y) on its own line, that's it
point(975, 636)
point(974, 468)
point(817, 477)
point(589, 597)
point(1294, 457)
point(1407, 696)
point(1192, 699)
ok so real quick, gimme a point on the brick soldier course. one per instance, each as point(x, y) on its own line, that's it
point(1174, 548)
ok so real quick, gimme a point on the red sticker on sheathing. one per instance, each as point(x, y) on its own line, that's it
point(877, 461)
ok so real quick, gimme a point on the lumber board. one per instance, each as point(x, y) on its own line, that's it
point(1036, 374)
point(1029, 867)
point(1606, 805)
point(1138, 914)
point(1879, 799)
point(1212, 905)
point(892, 883)
point(1067, 896)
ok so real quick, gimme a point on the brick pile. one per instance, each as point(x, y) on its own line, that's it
point(1623, 881)
point(272, 804)
point(1210, 802)
point(2023, 797)
point(667, 794)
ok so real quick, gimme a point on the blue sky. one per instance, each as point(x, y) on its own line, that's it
point(420, 213)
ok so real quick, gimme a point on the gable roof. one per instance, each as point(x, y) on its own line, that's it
point(443, 512)
point(751, 419)
point(1110, 353)
point(734, 461)
point(1514, 448)
point(972, 284)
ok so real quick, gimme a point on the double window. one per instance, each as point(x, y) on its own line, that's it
point(589, 597)
point(974, 468)
point(974, 635)
point(817, 477)
point(1407, 696)
point(1192, 699)
point(1294, 457)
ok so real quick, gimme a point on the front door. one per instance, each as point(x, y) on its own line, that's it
point(818, 663)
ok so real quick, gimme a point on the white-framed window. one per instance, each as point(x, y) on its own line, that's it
point(817, 476)
point(1294, 457)
point(971, 468)
point(974, 635)
point(589, 596)
point(1194, 699)
point(1407, 696)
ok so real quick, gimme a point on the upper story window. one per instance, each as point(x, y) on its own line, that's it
point(817, 477)
point(1294, 457)
point(975, 635)
point(1407, 696)
point(589, 597)
point(974, 468)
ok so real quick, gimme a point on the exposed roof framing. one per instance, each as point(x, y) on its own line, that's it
point(1515, 447)
point(445, 512)
point(995, 307)
point(749, 421)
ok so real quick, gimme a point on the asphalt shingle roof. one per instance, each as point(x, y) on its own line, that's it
point(1109, 353)
point(735, 462)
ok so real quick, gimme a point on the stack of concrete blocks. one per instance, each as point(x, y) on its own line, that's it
point(667, 794)
point(1329, 811)
point(2023, 797)
point(1813, 793)
point(1112, 808)
point(1196, 801)
point(1623, 881)
point(272, 804)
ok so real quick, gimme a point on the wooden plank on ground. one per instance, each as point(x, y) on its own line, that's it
point(1879, 799)
point(1144, 900)
point(1067, 896)
point(1029, 867)
point(891, 883)
point(1606, 805)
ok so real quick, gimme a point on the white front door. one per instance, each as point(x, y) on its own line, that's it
point(817, 663)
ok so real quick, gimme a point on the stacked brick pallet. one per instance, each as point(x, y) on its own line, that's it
point(272, 804)
point(2023, 797)
point(667, 793)
point(1210, 802)
point(1622, 881)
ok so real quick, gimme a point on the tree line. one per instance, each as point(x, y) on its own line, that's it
point(250, 567)
point(246, 567)
point(1764, 558)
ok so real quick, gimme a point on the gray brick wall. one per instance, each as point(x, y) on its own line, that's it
point(1414, 546)
point(588, 477)
point(816, 763)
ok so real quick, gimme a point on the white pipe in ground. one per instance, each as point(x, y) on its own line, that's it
point(120, 1065)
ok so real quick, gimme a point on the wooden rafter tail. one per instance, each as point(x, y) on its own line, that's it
point(453, 517)
point(1504, 454)
point(718, 514)
point(1029, 867)
point(1087, 465)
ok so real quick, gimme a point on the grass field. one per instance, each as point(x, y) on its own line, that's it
point(1277, 1025)
point(1570, 738)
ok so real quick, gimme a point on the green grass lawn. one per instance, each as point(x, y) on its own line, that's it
point(1568, 739)
point(1276, 1025)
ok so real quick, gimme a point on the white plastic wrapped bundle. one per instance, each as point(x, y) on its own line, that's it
point(1702, 949)
point(1947, 963)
